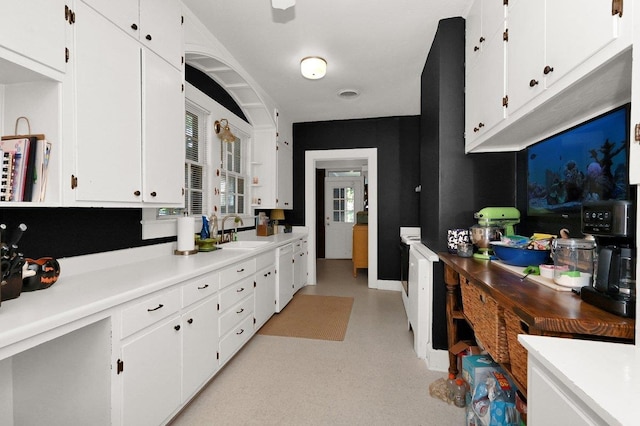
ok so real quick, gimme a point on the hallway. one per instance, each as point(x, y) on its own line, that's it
point(371, 378)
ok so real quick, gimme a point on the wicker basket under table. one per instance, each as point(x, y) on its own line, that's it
point(517, 353)
point(487, 319)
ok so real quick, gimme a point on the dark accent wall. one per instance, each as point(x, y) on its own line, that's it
point(454, 185)
point(396, 139)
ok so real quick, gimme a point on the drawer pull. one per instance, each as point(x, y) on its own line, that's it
point(240, 270)
point(177, 327)
point(203, 287)
point(240, 311)
point(156, 308)
point(533, 83)
point(190, 320)
point(148, 37)
point(266, 274)
point(240, 290)
point(240, 332)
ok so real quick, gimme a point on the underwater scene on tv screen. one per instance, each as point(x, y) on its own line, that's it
point(586, 163)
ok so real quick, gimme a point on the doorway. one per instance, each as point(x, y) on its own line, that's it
point(312, 159)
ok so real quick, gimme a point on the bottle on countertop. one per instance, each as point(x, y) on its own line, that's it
point(205, 232)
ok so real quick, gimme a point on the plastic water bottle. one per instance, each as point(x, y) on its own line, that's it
point(459, 394)
point(451, 385)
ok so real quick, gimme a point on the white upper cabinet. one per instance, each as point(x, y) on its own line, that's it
point(547, 40)
point(154, 22)
point(559, 64)
point(130, 118)
point(484, 21)
point(34, 34)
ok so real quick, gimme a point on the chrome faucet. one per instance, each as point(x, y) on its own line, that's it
point(236, 218)
point(213, 229)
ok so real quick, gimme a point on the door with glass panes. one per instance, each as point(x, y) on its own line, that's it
point(343, 199)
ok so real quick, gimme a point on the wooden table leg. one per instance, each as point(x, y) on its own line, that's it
point(451, 280)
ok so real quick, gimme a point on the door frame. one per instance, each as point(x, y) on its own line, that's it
point(311, 158)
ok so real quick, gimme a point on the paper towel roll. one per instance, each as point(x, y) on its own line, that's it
point(186, 233)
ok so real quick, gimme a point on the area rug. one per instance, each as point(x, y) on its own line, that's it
point(311, 317)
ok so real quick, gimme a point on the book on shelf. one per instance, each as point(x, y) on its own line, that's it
point(30, 161)
point(6, 176)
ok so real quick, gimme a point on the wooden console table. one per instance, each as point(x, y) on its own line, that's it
point(542, 310)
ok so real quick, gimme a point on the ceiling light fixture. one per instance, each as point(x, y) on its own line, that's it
point(282, 4)
point(313, 67)
point(223, 131)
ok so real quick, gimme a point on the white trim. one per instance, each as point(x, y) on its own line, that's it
point(311, 159)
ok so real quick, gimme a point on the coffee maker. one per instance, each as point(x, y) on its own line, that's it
point(613, 288)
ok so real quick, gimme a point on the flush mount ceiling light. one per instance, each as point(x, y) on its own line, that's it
point(223, 131)
point(282, 4)
point(313, 67)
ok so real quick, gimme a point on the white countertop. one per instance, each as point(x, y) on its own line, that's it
point(89, 286)
point(606, 376)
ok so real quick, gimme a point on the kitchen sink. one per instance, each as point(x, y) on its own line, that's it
point(243, 245)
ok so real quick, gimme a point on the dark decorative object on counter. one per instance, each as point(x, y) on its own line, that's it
point(47, 271)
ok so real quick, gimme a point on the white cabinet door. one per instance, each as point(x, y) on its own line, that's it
point(634, 154)
point(548, 40)
point(574, 33)
point(161, 29)
point(525, 52)
point(485, 89)
point(264, 166)
point(163, 132)
point(156, 23)
point(35, 31)
point(284, 275)
point(299, 265)
point(151, 374)
point(484, 20)
point(200, 346)
point(108, 117)
point(264, 295)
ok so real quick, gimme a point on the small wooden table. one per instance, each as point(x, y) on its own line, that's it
point(546, 311)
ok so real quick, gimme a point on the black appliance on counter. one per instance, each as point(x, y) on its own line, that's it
point(612, 223)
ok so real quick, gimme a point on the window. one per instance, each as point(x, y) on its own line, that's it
point(232, 178)
point(194, 165)
point(344, 204)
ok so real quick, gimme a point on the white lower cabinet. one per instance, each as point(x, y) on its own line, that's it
point(265, 288)
point(299, 265)
point(150, 369)
point(199, 346)
point(284, 276)
point(551, 402)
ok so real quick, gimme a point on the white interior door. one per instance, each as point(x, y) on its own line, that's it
point(343, 198)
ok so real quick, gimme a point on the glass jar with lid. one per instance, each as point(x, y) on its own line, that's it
point(573, 261)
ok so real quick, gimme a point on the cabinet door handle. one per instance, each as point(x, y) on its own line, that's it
point(637, 132)
point(240, 290)
point(177, 327)
point(533, 83)
point(265, 275)
point(203, 287)
point(476, 48)
point(240, 332)
point(190, 320)
point(547, 70)
point(240, 311)
point(134, 27)
point(136, 193)
point(148, 37)
point(240, 270)
point(156, 308)
point(153, 194)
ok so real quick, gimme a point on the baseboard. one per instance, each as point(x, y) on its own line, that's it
point(389, 285)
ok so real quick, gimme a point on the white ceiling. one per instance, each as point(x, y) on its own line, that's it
point(377, 48)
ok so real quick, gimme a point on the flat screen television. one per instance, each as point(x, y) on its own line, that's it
point(587, 162)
